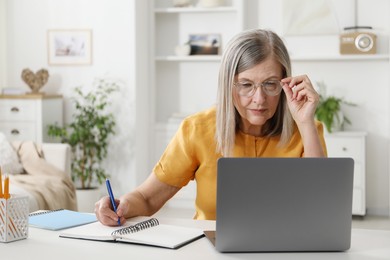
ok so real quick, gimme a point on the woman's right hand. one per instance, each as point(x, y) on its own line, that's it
point(146, 200)
point(105, 214)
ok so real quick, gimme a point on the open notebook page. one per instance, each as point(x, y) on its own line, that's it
point(169, 236)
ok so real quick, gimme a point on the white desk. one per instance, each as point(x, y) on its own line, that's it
point(44, 244)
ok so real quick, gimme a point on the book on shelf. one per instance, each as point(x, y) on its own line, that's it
point(59, 219)
point(147, 232)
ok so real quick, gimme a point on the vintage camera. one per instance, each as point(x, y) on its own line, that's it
point(357, 42)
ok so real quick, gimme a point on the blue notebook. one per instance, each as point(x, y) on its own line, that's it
point(59, 219)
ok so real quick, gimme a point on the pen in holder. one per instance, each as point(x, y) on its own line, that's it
point(13, 218)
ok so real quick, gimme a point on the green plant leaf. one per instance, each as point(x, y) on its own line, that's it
point(328, 109)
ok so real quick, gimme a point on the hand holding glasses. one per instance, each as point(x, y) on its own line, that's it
point(270, 87)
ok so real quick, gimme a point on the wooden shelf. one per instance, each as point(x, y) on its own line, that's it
point(169, 10)
point(189, 58)
point(376, 57)
point(30, 96)
point(338, 57)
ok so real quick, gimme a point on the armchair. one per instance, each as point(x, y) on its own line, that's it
point(55, 187)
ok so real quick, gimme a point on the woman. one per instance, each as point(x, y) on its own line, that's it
point(262, 111)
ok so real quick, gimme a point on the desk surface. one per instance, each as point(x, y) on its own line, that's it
point(44, 244)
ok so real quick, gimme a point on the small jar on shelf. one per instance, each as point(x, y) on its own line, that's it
point(181, 3)
point(210, 3)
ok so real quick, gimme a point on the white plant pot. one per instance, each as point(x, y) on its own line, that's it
point(87, 198)
point(338, 122)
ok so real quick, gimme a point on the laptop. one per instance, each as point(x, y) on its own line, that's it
point(283, 204)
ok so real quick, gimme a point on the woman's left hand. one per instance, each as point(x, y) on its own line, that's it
point(302, 99)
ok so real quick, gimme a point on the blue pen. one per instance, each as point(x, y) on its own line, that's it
point(112, 198)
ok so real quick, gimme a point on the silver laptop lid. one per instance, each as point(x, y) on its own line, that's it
point(284, 204)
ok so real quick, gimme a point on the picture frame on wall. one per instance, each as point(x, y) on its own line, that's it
point(69, 46)
point(205, 44)
point(321, 17)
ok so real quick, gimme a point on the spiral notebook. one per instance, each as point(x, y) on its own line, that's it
point(148, 232)
point(59, 219)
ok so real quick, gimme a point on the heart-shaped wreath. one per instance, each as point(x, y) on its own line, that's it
point(35, 80)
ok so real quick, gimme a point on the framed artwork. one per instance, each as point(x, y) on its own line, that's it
point(320, 17)
point(205, 44)
point(69, 47)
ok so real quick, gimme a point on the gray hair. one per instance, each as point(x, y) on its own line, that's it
point(243, 52)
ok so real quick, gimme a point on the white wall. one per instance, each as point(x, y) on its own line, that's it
point(143, 144)
point(3, 52)
point(114, 56)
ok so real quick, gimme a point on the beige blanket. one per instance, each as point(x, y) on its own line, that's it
point(52, 188)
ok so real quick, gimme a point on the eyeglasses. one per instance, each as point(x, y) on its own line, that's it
point(270, 87)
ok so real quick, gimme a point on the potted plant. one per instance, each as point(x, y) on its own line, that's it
point(329, 113)
point(89, 133)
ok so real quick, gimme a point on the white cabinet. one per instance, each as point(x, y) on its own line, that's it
point(352, 144)
point(26, 117)
point(182, 85)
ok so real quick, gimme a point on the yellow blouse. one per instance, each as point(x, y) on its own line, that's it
point(191, 155)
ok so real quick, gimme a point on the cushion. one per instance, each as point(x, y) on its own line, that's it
point(9, 160)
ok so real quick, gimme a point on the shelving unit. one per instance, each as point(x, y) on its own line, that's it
point(185, 84)
point(182, 85)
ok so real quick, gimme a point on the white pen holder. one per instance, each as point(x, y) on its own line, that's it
point(13, 218)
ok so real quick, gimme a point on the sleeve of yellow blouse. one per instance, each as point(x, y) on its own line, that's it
point(177, 165)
